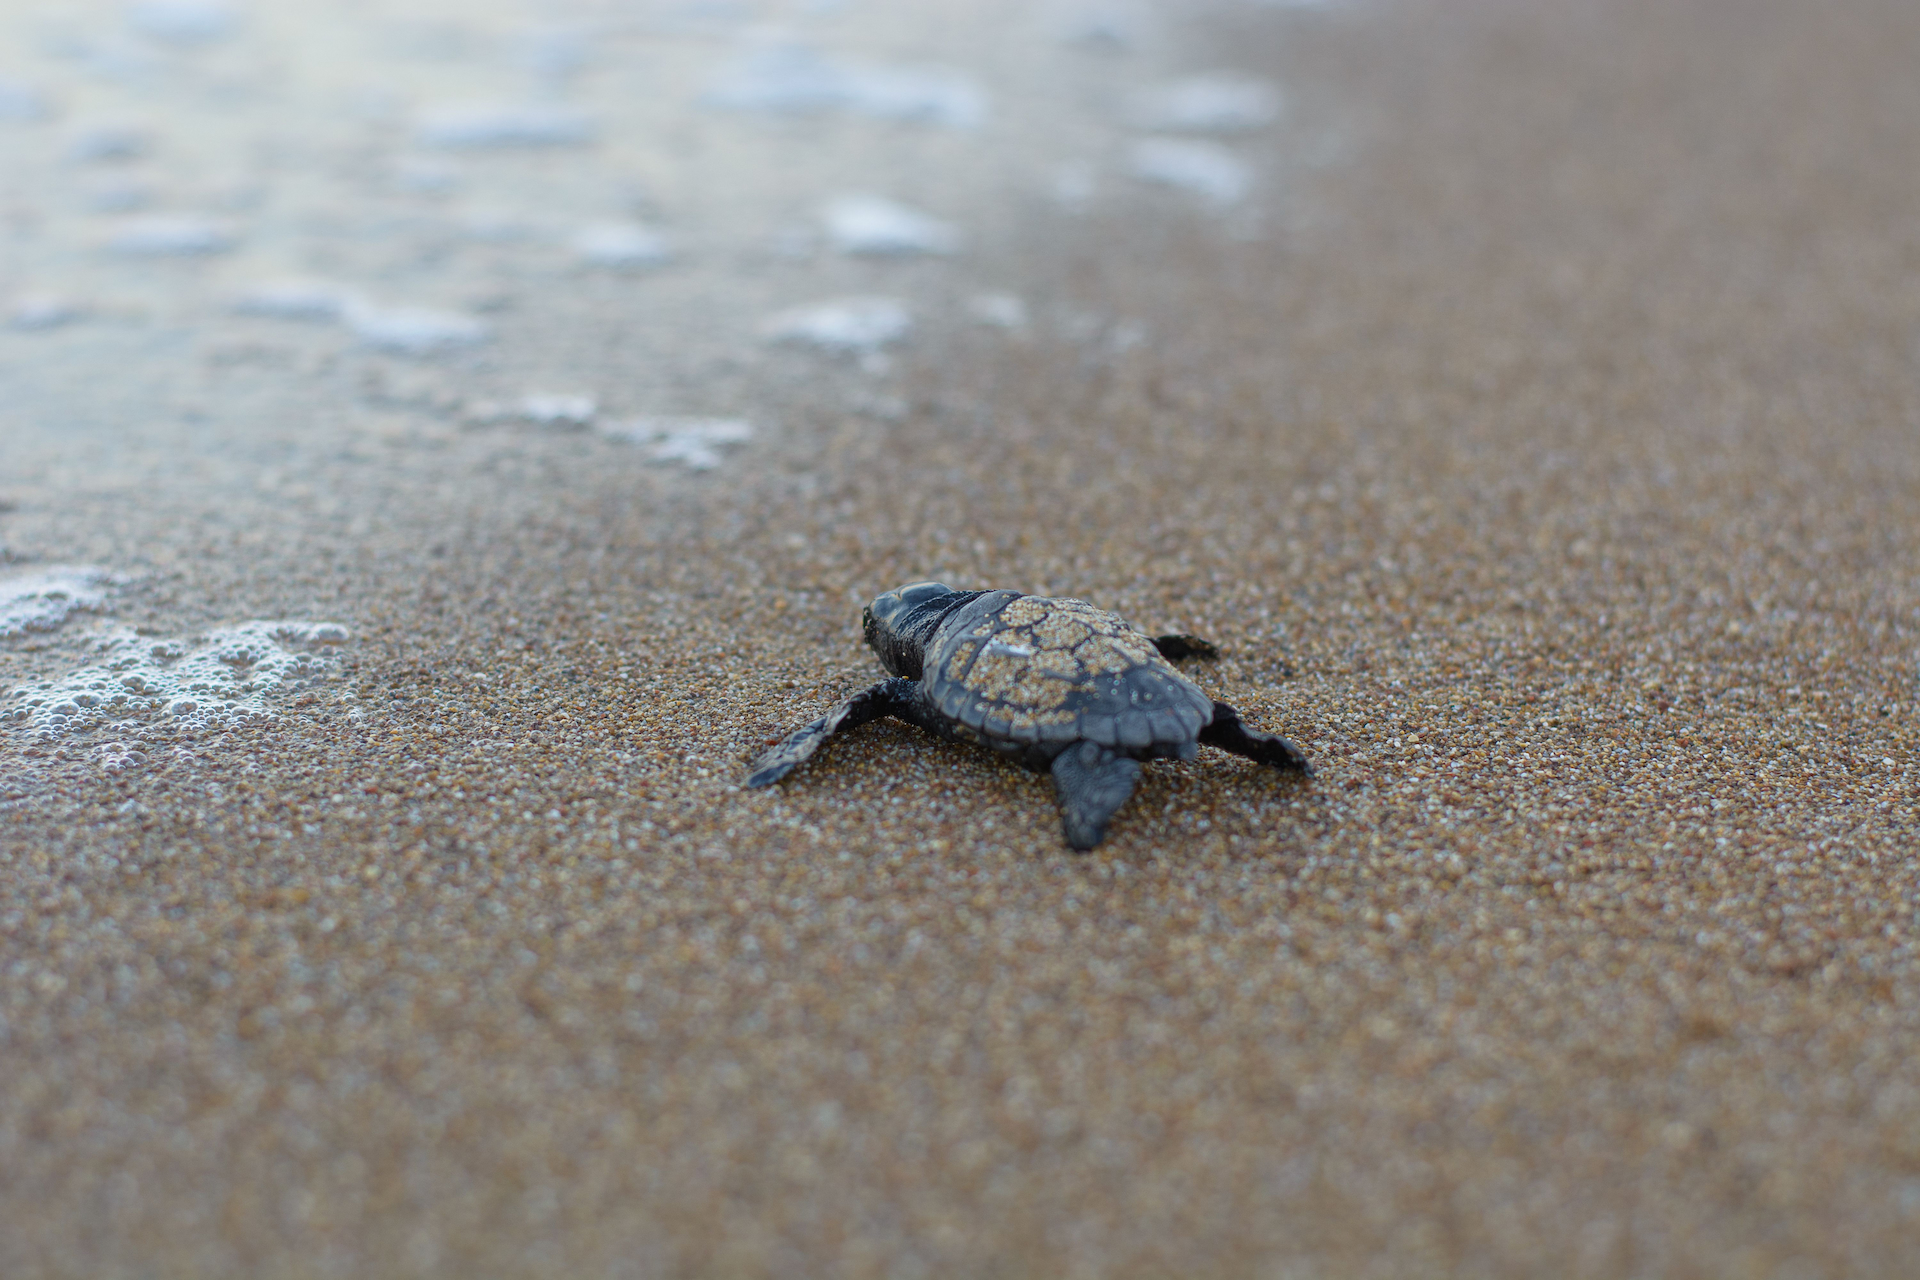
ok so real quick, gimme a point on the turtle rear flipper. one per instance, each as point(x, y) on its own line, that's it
point(1180, 648)
point(1229, 733)
point(888, 698)
point(1092, 782)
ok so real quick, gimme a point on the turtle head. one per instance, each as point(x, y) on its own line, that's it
point(900, 623)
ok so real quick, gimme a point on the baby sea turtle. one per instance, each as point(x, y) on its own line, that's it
point(1058, 685)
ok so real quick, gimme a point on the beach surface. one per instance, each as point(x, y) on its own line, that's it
point(1535, 427)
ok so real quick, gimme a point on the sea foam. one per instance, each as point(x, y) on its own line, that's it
point(1215, 102)
point(483, 125)
point(43, 311)
point(876, 227)
point(795, 79)
point(693, 442)
point(20, 101)
point(172, 236)
point(183, 22)
point(1205, 169)
point(855, 326)
point(45, 598)
point(185, 686)
point(296, 300)
point(621, 244)
point(413, 331)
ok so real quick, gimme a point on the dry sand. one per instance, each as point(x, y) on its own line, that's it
point(1553, 482)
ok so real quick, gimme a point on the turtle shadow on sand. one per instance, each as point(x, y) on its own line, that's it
point(1058, 686)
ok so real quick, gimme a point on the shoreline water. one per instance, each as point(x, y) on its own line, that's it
point(1544, 469)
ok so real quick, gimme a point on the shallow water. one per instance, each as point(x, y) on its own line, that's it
point(233, 228)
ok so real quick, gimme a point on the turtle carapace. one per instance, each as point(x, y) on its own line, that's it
point(1061, 687)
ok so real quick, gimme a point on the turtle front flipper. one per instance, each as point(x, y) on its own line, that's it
point(1229, 733)
point(888, 698)
point(1092, 783)
point(1179, 648)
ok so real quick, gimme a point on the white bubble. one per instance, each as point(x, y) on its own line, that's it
point(115, 141)
point(1073, 185)
point(500, 226)
point(794, 79)
point(558, 410)
point(183, 22)
point(924, 95)
point(425, 177)
point(1107, 335)
point(870, 225)
point(22, 102)
point(542, 409)
point(621, 244)
point(1217, 102)
point(410, 331)
point(1206, 169)
point(296, 300)
point(43, 311)
point(1104, 30)
point(45, 598)
point(856, 326)
point(118, 757)
point(118, 194)
point(172, 236)
point(413, 331)
point(194, 684)
point(998, 310)
point(777, 77)
point(693, 442)
point(554, 52)
point(499, 125)
point(1127, 335)
point(793, 241)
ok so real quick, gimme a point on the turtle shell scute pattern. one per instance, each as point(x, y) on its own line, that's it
point(1045, 670)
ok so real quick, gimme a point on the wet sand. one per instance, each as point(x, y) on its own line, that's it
point(1547, 471)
